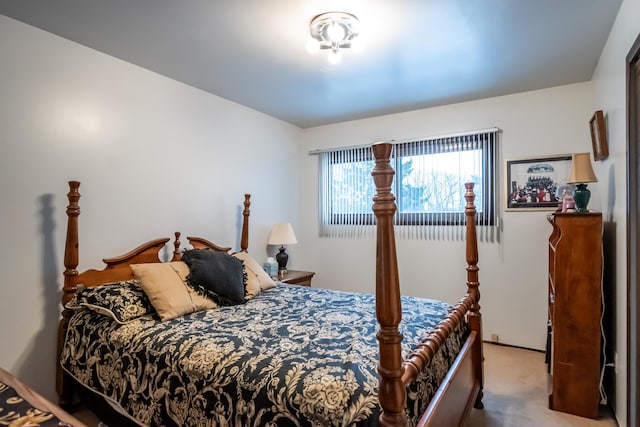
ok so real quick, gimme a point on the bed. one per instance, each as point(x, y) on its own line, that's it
point(284, 356)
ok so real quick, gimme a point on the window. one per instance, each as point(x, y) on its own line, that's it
point(428, 185)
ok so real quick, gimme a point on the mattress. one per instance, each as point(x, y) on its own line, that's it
point(291, 356)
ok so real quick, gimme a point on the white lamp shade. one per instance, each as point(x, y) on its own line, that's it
point(581, 169)
point(282, 234)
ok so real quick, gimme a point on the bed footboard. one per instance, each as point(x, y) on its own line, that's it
point(462, 387)
point(459, 391)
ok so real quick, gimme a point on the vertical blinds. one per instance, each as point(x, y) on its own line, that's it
point(428, 185)
point(346, 193)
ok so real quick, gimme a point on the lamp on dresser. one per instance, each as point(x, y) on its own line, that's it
point(581, 174)
point(282, 234)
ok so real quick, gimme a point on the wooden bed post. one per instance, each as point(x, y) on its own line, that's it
point(63, 382)
point(474, 317)
point(244, 238)
point(71, 247)
point(392, 393)
point(176, 247)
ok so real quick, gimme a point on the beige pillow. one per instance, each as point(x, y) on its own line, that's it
point(257, 279)
point(166, 286)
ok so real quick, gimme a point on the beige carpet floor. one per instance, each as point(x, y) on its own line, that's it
point(515, 394)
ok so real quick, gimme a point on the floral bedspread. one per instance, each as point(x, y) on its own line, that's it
point(291, 356)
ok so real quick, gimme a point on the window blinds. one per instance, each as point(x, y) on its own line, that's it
point(428, 185)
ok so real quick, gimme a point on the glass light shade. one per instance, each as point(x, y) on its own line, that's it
point(336, 32)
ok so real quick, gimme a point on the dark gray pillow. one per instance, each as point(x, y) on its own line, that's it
point(216, 275)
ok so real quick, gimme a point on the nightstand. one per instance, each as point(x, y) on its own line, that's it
point(296, 277)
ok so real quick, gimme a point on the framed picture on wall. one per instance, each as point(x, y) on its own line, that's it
point(598, 129)
point(531, 183)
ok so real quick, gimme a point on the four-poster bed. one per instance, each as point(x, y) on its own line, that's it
point(315, 368)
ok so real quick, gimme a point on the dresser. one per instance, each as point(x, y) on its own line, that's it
point(575, 308)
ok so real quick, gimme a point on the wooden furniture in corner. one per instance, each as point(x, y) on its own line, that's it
point(296, 277)
point(575, 308)
point(36, 401)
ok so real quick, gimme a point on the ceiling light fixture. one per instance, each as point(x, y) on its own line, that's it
point(334, 31)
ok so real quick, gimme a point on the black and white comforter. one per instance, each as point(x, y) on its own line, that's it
point(291, 356)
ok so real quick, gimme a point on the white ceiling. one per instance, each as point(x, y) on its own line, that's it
point(419, 53)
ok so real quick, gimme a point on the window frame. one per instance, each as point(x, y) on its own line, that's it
point(487, 214)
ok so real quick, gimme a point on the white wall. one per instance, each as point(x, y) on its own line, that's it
point(154, 156)
point(609, 83)
point(513, 273)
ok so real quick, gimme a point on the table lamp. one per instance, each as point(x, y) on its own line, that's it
point(282, 234)
point(581, 173)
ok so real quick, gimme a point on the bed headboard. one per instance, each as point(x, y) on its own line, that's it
point(117, 268)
